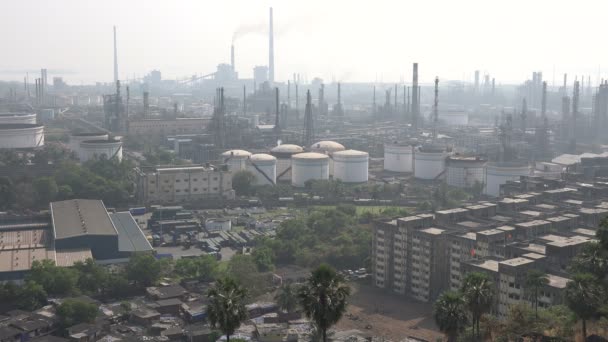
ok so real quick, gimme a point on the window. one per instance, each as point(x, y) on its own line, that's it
point(177, 181)
point(178, 190)
point(214, 178)
point(195, 179)
point(204, 179)
point(214, 189)
point(195, 189)
point(152, 182)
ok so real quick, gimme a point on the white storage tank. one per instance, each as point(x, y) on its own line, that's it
point(429, 162)
point(236, 160)
point(283, 153)
point(398, 157)
point(351, 166)
point(76, 139)
point(327, 147)
point(464, 172)
point(499, 173)
point(264, 167)
point(94, 149)
point(308, 166)
point(17, 118)
point(21, 135)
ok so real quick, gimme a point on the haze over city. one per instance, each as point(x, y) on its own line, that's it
point(341, 40)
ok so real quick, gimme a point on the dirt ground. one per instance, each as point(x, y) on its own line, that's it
point(379, 314)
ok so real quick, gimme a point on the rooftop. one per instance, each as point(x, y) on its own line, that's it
point(432, 231)
point(80, 217)
point(516, 262)
point(557, 281)
point(130, 236)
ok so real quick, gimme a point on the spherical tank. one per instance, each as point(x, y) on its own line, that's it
point(17, 118)
point(21, 135)
point(264, 167)
point(351, 166)
point(327, 147)
point(236, 160)
point(464, 172)
point(498, 174)
point(76, 139)
point(94, 149)
point(283, 154)
point(398, 157)
point(308, 166)
point(429, 163)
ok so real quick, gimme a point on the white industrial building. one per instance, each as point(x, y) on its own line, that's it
point(499, 173)
point(264, 168)
point(95, 149)
point(21, 135)
point(429, 162)
point(283, 153)
point(309, 166)
point(351, 166)
point(398, 157)
point(464, 172)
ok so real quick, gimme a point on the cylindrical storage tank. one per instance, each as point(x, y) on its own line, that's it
point(94, 149)
point(464, 172)
point(264, 167)
point(283, 153)
point(498, 174)
point(429, 163)
point(236, 160)
point(327, 147)
point(76, 139)
point(17, 118)
point(308, 166)
point(398, 157)
point(351, 166)
point(21, 135)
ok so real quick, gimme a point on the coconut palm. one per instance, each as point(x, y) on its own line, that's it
point(584, 297)
point(478, 293)
point(535, 280)
point(450, 314)
point(324, 298)
point(287, 298)
point(226, 309)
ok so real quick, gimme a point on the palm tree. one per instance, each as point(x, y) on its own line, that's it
point(324, 298)
point(450, 314)
point(478, 293)
point(584, 297)
point(226, 308)
point(592, 259)
point(287, 298)
point(535, 280)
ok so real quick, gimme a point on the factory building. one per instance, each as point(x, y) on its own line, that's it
point(168, 126)
point(165, 185)
point(73, 231)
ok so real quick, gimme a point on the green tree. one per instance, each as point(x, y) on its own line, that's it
point(72, 312)
point(478, 293)
point(242, 182)
point(226, 309)
point(450, 314)
point(46, 190)
point(535, 280)
point(116, 285)
point(520, 320)
point(203, 268)
point(54, 279)
point(31, 296)
point(324, 298)
point(244, 270)
point(584, 296)
point(91, 276)
point(8, 194)
point(64, 192)
point(143, 269)
point(264, 259)
point(592, 259)
point(287, 298)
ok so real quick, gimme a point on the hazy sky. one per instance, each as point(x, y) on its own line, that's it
point(349, 40)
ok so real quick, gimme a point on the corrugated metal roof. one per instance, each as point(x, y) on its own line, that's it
point(80, 217)
point(130, 236)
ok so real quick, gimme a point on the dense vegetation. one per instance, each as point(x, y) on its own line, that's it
point(333, 236)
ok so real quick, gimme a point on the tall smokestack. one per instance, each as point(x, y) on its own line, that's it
point(115, 58)
point(271, 50)
point(276, 99)
point(544, 101)
point(436, 108)
point(415, 104)
point(232, 57)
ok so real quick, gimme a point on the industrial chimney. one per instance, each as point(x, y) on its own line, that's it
point(415, 104)
point(232, 57)
point(115, 58)
point(271, 50)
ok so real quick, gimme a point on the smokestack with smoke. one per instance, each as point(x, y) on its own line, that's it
point(232, 57)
